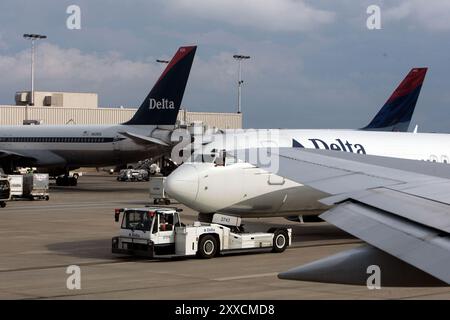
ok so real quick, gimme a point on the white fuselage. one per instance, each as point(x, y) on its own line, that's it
point(73, 146)
point(244, 190)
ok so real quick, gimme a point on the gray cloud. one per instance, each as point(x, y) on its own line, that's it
point(433, 15)
point(71, 69)
point(314, 63)
point(271, 15)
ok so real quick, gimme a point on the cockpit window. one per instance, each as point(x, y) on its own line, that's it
point(224, 159)
point(204, 158)
point(219, 158)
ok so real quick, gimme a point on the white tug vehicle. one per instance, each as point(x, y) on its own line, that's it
point(157, 232)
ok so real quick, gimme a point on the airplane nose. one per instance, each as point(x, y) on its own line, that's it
point(182, 184)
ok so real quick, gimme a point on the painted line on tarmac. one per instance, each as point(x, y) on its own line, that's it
point(57, 266)
point(250, 276)
point(322, 243)
point(64, 206)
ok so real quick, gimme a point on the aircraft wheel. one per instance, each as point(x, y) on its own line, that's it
point(72, 181)
point(207, 247)
point(280, 240)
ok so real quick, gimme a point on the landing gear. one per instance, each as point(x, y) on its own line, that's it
point(160, 200)
point(66, 181)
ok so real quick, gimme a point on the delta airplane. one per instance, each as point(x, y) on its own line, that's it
point(59, 149)
point(222, 184)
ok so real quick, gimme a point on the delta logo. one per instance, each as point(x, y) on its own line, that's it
point(164, 104)
point(337, 145)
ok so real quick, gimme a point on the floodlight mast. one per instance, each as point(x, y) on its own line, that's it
point(239, 58)
point(33, 38)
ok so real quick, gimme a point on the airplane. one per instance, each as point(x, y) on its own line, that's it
point(400, 208)
point(61, 148)
point(210, 184)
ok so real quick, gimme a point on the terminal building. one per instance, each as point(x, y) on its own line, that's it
point(82, 108)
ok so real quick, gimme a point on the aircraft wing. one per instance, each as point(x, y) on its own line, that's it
point(11, 154)
point(143, 140)
point(401, 207)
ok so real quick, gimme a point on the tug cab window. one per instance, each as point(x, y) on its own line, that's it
point(137, 220)
point(165, 222)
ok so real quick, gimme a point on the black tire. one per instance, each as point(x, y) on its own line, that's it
point(280, 240)
point(208, 247)
point(47, 198)
point(2, 204)
point(73, 182)
point(166, 202)
point(155, 201)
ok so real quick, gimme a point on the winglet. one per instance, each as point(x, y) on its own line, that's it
point(397, 112)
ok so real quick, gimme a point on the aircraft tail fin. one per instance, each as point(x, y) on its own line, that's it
point(398, 110)
point(162, 104)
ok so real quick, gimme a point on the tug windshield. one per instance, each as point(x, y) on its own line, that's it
point(137, 220)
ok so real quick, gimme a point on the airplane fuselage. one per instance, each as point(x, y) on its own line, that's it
point(74, 145)
point(242, 189)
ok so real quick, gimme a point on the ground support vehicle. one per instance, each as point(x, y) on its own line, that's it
point(157, 192)
point(157, 232)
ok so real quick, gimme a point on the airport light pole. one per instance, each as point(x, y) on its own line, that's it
point(33, 38)
point(239, 58)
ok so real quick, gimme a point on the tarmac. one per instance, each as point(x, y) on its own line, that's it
point(40, 239)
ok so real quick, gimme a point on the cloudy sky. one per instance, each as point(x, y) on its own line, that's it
point(314, 63)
